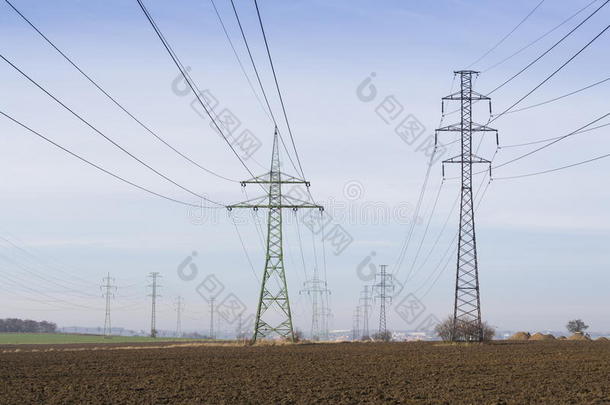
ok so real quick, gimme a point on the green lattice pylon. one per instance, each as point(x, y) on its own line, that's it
point(274, 290)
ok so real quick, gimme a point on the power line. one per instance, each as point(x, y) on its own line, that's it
point(260, 20)
point(189, 80)
point(493, 48)
point(559, 97)
point(87, 123)
point(517, 145)
point(258, 77)
point(99, 167)
point(112, 99)
point(241, 65)
point(552, 142)
point(554, 169)
point(260, 83)
point(552, 74)
point(548, 50)
point(540, 37)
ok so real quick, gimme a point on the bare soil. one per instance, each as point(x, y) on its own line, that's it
point(345, 373)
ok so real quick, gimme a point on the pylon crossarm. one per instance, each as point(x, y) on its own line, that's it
point(297, 203)
point(251, 203)
point(266, 179)
point(450, 128)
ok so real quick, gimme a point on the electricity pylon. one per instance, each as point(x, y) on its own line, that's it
point(211, 301)
point(154, 295)
point(365, 304)
point(383, 289)
point(317, 290)
point(326, 315)
point(107, 292)
point(467, 303)
point(356, 324)
point(274, 290)
point(179, 306)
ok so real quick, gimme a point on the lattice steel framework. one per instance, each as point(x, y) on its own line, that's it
point(108, 290)
point(274, 290)
point(154, 295)
point(317, 289)
point(383, 289)
point(467, 303)
point(365, 304)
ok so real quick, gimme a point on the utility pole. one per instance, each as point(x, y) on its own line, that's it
point(179, 306)
point(356, 324)
point(274, 290)
point(154, 295)
point(212, 317)
point(365, 304)
point(467, 303)
point(383, 289)
point(317, 290)
point(107, 288)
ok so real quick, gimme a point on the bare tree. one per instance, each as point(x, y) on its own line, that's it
point(463, 331)
point(383, 336)
point(577, 326)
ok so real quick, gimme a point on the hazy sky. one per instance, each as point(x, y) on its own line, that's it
point(542, 239)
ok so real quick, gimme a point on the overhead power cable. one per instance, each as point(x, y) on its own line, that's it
point(552, 74)
point(517, 145)
point(87, 123)
point(260, 20)
point(554, 169)
point(559, 97)
point(501, 41)
point(189, 81)
point(579, 130)
point(113, 99)
point(549, 50)
point(241, 65)
point(97, 166)
point(260, 83)
point(570, 18)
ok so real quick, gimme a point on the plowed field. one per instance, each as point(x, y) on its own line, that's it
point(347, 373)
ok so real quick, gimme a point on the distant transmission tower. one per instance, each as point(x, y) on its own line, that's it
point(326, 315)
point(274, 290)
point(154, 295)
point(107, 288)
point(211, 301)
point(356, 324)
point(383, 289)
point(317, 290)
point(179, 307)
point(365, 304)
point(467, 304)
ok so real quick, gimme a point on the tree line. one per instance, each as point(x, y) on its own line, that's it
point(26, 326)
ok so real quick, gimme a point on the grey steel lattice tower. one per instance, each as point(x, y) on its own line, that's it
point(317, 290)
point(154, 295)
point(383, 289)
point(365, 304)
point(107, 288)
point(356, 324)
point(467, 304)
point(179, 306)
point(274, 291)
point(211, 301)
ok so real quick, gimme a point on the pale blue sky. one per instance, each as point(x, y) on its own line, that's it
point(541, 239)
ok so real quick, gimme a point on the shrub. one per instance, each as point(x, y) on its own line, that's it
point(385, 336)
point(464, 331)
